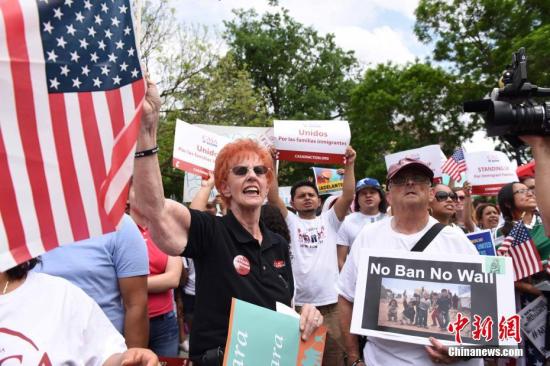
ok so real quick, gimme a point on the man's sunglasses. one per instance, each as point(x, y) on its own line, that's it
point(441, 196)
point(241, 170)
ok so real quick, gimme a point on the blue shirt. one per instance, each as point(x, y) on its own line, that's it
point(96, 264)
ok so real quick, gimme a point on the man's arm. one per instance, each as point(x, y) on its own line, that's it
point(273, 197)
point(136, 321)
point(169, 279)
point(540, 147)
point(351, 341)
point(348, 190)
point(467, 216)
point(168, 221)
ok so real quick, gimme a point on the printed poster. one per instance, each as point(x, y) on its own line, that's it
point(328, 180)
point(195, 149)
point(312, 141)
point(533, 323)
point(483, 240)
point(260, 336)
point(431, 155)
point(406, 288)
point(488, 171)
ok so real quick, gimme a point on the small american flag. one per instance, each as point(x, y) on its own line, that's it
point(455, 165)
point(520, 247)
point(71, 93)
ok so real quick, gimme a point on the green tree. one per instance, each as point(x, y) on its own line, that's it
point(396, 108)
point(299, 73)
point(196, 84)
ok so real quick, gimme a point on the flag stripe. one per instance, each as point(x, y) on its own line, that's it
point(82, 162)
point(6, 258)
point(105, 129)
point(67, 169)
point(114, 102)
point(95, 151)
point(10, 211)
point(26, 118)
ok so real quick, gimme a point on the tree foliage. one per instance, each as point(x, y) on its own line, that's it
point(396, 108)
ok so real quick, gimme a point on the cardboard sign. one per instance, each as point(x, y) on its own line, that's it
point(405, 288)
point(260, 336)
point(195, 149)
point(431, 155)
point(328, 180)
point(533, 323)
point(488, 171)
point(483, 240)
point(312, 141)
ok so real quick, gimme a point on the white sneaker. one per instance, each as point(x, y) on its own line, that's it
point(185, 346)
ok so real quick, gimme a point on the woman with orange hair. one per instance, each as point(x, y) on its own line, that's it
point(234, 255)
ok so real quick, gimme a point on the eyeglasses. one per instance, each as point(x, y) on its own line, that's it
point(524, 191)
point(441, 196)
point(415, 178)
point(241, 170)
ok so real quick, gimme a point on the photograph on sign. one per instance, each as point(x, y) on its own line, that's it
point(488, 171)
point(328, 180)
point(195, 149)
point(431, 155)
point(416, 295)
point(312, 141)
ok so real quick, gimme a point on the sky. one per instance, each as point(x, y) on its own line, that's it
point(377, 30)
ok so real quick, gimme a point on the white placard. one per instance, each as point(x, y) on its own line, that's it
point(488, 171)
point(533, 323)
point(483, 286)
point(195, 149)
point(312, 141)
point(431, 155)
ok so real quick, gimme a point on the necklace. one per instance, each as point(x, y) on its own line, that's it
point(5, 287)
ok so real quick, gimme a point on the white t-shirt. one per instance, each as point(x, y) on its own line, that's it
point(314, 260)
point(353, 224)
point(380, 234)
point(49, 318)
point(189, 288)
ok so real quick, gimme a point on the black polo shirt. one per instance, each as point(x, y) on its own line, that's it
point(213, 244)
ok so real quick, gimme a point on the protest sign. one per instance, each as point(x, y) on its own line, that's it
point(483, 240)
point(195, 149)
point(328, 180)
point(312, 141)
point(488, 171)
point(431, 155)
point(260, 336)
point(405, 288)
point(264, 135)
point(533, 323)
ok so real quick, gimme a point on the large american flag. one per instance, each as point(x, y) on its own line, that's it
point(71, 91)
point(455, 165)
point(525, 257)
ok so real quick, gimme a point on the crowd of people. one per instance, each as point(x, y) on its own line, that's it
point(166, 277)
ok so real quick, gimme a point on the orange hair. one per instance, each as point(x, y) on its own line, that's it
point(232, 153)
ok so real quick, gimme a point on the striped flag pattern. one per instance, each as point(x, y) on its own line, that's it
point(520, 247)
point(455, 165)
point(71, 93)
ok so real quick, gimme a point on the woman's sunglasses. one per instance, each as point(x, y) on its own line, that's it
point(241, 170)
point(441, 196)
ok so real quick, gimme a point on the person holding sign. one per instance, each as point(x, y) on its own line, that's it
point(409, 184)
point(235, 256)
point(313, 243)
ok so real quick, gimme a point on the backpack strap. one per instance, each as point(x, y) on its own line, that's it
point(427, 238)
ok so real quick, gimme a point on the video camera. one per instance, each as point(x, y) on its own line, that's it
point(509, 111)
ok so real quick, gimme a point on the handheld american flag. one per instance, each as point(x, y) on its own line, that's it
point(525, 257)
point(71, 93)
point(455, 165)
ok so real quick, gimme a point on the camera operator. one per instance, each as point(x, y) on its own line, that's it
point(540, 148)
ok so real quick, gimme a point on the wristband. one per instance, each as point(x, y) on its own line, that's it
point(357, 362)
point(141, 154)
